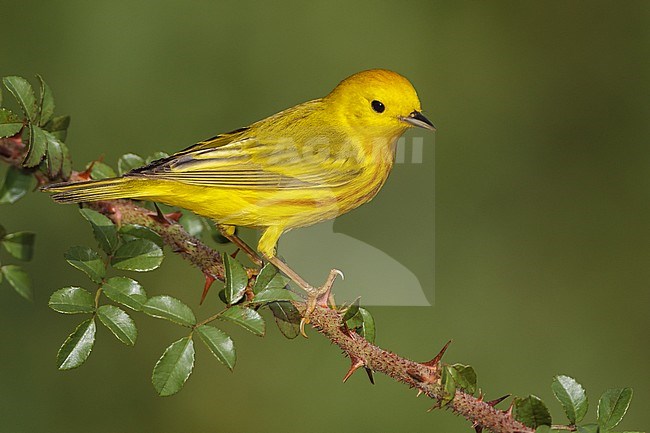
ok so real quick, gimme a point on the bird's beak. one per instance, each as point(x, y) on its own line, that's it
point(417, 119)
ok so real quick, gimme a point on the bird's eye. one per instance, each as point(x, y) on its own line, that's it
point(377, 106)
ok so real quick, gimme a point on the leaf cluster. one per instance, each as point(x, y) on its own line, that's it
point(612, 407)
point(533, 412)
point(139, 249)
point(39, 129)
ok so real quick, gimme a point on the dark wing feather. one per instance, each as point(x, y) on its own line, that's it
point(238, 160)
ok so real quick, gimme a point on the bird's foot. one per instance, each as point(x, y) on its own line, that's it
point(318, 297)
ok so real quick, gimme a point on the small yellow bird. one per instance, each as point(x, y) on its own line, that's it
point(306, 164)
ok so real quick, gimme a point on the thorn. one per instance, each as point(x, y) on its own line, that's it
point(497, 400)
point(480, 395)
point(435, 361)
point(85, 175)
point(435, 406)
point(209, 279)
point(509, 411)
point(161, 217)
point(339, 273)
point(173, 216)
point(370, 376)
point(356, 363)
point(234, 255)
point(477, 427)
point(420, 392)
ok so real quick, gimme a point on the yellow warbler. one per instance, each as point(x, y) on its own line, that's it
point(306, 164)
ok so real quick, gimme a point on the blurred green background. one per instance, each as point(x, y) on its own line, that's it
point(541, 234)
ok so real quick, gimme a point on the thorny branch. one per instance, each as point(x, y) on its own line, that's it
point(425, 376)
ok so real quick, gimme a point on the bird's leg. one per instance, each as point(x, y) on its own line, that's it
point(316, 296)
point(286, 270)
point(228, 232)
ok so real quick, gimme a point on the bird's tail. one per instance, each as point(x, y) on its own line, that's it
point(93, 190)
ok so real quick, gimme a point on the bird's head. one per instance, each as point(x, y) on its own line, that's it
point(378, 102)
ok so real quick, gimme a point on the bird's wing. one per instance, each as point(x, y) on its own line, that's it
point(239, 160)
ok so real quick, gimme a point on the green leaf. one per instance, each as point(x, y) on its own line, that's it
point(72, 300)
point(448, 385)
point(236, 279)
point(363, 323)
point(88, 261)
point(125, 291)
point(24, 94)
point(287, 317)
point(140, 255)
point(47, 102)
point(279, 281)
point(166, 307)
point(219, 343)
point(37, 146)
point(136, 231)
point(269, 278)
point(368, 330)
point(58, 126)
point(355, 322)
point(174, 367)
point(54, 157)
point(271, 295)
point(100, 170)
point(19, 280)
point(465, 377)
point(119, 323)
point(351, 311)
point(247, 318)
point(264, 277)
point(572, 396)
point(20, 245)
point(66, 165)
point(156, 156)
point(103, 228)
point(532, 411)
point(17, 183)
point(10, 124)
point(76, 348)
point(128, 162)
point(612, 406)
point(588, 428)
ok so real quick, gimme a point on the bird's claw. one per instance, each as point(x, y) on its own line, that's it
point(318, 297)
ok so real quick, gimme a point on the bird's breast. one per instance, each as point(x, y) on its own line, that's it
point(365, 186)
